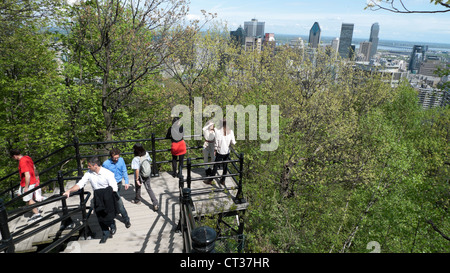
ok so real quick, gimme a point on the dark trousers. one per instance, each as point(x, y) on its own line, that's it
point(120, 205)
point(221, 157)
point(180, 164)
point(150, 192)
point(105, 201)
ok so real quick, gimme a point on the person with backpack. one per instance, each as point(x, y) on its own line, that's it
point(141, 164)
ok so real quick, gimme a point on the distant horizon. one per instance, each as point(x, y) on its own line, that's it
point(297, 16)
point(367, 38)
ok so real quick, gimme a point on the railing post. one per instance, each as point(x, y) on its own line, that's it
point(239, 195)
point(65, 211)
point(4, 228)
point(155, 171)
point(186, 199)
point(62, 190)
point(76, 144)
point(203, 240)
point(83, 212)
point(180, 182)
point(188, 178)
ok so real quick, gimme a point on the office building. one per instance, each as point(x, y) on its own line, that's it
point(365, 50)
point(269, 40)
point(296, 43)
point(335, 44)
point(345, 40)
point(374, 31)
point(429, 66)
point(238, 35)
point(254, 28)
point(314, 35)
point(253, 43)
point(417, 56)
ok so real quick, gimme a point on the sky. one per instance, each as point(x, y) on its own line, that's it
point(297, 17)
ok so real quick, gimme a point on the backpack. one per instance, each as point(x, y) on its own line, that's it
point(145, 168)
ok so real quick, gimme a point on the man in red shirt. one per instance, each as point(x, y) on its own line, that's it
point(28, 180)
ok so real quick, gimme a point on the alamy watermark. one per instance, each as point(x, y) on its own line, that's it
point(258, 124)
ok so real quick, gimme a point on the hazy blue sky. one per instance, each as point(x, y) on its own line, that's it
point(298, 16)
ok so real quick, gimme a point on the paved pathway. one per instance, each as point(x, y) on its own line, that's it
point(154, 232)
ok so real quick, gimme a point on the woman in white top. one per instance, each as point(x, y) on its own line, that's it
point(140, 154)
point(224, 138)
point(209, 133)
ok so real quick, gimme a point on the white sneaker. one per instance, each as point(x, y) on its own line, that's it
point(34, 218)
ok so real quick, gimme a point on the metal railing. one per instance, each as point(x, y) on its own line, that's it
point(71, 168)
point(64, 213)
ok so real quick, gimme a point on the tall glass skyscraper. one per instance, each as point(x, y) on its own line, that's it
point(374, 30)
point(345, 40)
point(417, 56)
point(314, 35)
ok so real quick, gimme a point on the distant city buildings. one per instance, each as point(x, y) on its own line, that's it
point(417, 56)
point(374, 31)
point(396, 64)
point(238, 35)
point(429, 66)
point(269, 40)
point(297, 43)
point(345, 40)
point(364, 51)
point(314, 35)
point(335, 46)
point(254, 28)
point(253, 43)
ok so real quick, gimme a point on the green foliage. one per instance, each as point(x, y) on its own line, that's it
point(385, 185)
point(29, 83)
point(357, 160)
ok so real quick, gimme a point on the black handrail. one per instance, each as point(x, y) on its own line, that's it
point(239, 195)
point(10, 239)
point(187, 220)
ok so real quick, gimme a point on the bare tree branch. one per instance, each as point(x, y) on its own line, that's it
point(392, 6)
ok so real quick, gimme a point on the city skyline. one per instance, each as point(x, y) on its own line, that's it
point(297, 16)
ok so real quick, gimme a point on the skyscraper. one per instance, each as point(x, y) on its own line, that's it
point(345, 40)
point(335, 46)
point(254, 28)
point(417, 56)
point(314, 35)
point(253, 43)
point(365, 48)
point(238, 35)
point(374, 31)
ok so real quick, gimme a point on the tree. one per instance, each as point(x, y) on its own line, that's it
point(29, 79)
point(196, 61)
point(128, 42)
